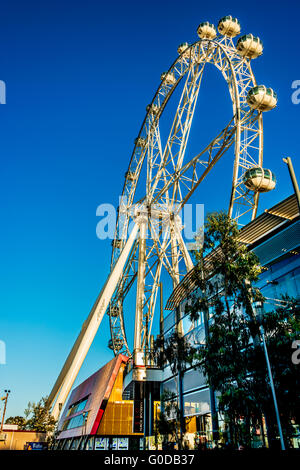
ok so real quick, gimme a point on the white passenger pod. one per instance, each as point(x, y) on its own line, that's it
point(249, 46)
point(262, 98)
point(259, 179)
point(229, 26)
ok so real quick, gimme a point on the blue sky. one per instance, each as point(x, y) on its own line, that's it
point(79, 75)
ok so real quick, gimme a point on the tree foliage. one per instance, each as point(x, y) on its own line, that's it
point(39, 418)
point(20, 421)
point(175, 351)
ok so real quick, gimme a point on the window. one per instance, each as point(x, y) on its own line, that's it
point(67, 444)
point(76, 407)
point(101, 443)
point(75, 422)
point(75, 443)
point(197, 403)
point(193, 379)
point(169, 321)
point(90, 444)
point(169, 386)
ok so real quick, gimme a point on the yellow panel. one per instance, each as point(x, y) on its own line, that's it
point(118, 415)
point(191, 424)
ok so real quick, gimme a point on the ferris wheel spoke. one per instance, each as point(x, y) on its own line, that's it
point(206, 159)
point(170, 182)
point(179, 133)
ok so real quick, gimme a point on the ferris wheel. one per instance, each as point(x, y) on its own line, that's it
point(148, 236)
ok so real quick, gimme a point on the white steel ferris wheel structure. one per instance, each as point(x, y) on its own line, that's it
point(155, 243)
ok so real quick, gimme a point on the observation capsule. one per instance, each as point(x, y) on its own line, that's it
point(140, 141)
point(262, 98)
point(229, 26)
point(116, 243)
point(168, 78)
point(259, 179)
point(182, 47)
point(118, 343)
point(206, 30)
point(152, 109)
point(114, 311)
point(249, 46)
point(130, 175)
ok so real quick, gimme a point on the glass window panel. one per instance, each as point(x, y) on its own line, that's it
point(187, 325)
point(196, 403)
point(90, 444)
point(77, 407)
point(193, 379)
point(169, 321)
point(123, 443)
point(101, 443)
point(74, 444)
point(81, 405)
point(196, 336)
point(67, 444)
point(169, 386)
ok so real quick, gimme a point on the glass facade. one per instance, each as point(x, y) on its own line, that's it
point(192, 379)
point(75, 422)
point(196, 403)
point(76, 407)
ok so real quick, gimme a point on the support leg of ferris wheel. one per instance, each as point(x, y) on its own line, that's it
point(177, 227)
point(89, 329)
point(138, 355)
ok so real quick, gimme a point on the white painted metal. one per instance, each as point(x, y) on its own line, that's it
point(74, 361)
point(137, 350)
point(170, 182)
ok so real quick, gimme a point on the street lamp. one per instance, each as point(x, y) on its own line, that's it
point(262, 333)
point(4, 410)
point(288, 161)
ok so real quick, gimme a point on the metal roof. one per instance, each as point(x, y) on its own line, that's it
point(271, 219)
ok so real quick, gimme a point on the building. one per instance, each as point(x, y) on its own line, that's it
point(13, 438)
point(274, 237)
point(104, 413)
point(111, 410)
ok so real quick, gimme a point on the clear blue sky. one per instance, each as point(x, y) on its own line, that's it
point(79, 75)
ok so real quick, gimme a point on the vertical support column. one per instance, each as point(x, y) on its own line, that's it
point(288, 161)
point(180, 377)
point(89, 329)
point(138, 356)
point(174, 252)
point(177, 227)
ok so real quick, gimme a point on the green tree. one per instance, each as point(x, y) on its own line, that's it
point(39, 418)
point(167, 422)
point(177, 352)
point(232, 358)
point(282, 328)
point(224, 276)
point(19, 420)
